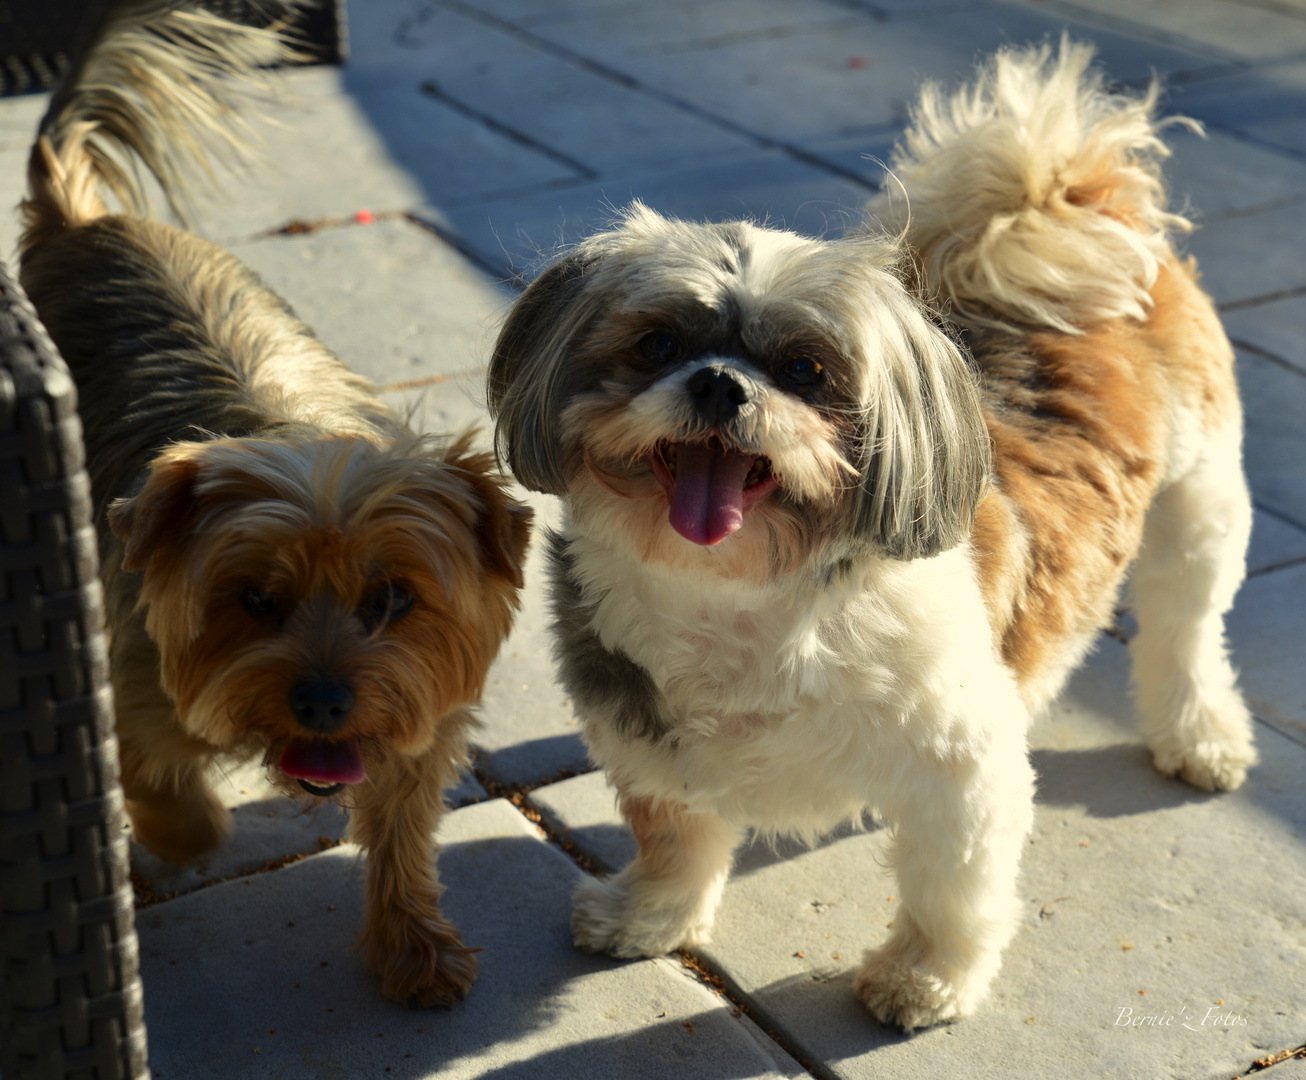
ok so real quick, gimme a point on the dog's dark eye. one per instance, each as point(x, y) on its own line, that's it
point(389, 603)
point(257, 602)
point(660, 347)
point(802, 371)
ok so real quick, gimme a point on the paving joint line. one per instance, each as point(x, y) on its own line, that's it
point(1287, 519)
point(630, 82)
point(1290, 293)
point(1286, 564)
point(1256, 140)
point(432, 89)
point(1266, 354)
point(519, 796)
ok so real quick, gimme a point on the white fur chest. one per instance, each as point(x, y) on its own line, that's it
point(785, 702)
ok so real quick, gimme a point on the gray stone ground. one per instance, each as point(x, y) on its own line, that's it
point(485, 133)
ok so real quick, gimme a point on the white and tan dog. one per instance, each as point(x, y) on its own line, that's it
point(842, 514)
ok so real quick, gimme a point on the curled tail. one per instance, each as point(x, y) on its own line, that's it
point(157, 86)
point(1033, 195)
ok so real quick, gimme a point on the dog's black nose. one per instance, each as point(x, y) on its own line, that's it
point(718, 393)
point(321, 705)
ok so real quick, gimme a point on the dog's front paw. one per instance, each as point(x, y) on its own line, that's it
point(421, 960)
point(179, 828)
point(905, 993)
point(608, 917)
point(1213, 754)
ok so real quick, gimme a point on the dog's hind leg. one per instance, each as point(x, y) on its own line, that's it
point(667, 897)
point(1188, 570)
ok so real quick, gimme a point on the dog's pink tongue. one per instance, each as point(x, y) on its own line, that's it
point(323, 762)
point(707, 503)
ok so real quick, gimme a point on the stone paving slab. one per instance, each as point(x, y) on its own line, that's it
point(1268, 628)
point(1278, 329)
point(1121, 897)
point(1267, 104)
point(1274, 402)
point(266, 829)
point(822, 79)
point(339, 141)
point(1220, 175)
point(1245, 257)
point(519, 235)
point(1215, 27)
point(572, 113)
point(391, 299)
point(1274, 542)
point(256, 978)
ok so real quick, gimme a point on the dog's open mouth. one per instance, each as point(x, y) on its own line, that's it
point(709, 486)
point(323, 768)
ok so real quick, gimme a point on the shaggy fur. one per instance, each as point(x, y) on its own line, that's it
point(842, 514)
point(290, 573)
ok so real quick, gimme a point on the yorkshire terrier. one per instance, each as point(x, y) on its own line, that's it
point(841, 514)
point(289, 571)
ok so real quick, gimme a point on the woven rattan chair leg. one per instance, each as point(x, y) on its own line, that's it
point(70, 992)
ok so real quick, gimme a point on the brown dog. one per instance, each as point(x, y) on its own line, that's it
point(289, 571)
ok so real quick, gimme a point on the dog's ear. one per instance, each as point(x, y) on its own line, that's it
point(527, 372)
point(927, 451)
point(156, 518)
point(504, 529)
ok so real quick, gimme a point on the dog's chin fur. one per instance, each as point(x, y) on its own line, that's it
point(290, 573)
point(1002, 425)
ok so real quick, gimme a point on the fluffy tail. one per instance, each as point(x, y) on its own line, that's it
point(158, 87)
point(1033, 195)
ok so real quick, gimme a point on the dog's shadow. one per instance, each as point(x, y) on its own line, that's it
point(1109, 781)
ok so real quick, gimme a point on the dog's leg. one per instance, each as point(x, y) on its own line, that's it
point(959, 827)
point(668, 895)
point(173, 811)
point(1190, 566)
point(414, 949)
point(178, 817)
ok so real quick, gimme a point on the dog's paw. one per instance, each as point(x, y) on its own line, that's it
point(904, 994)
point(607, 917)
point(1213, 765)
point(1212, 749)
point(179, 829)
point(421, 961)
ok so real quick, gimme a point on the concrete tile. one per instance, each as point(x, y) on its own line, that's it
point(266, 828)
point(1120, 897)
point(521, 234)
point(336, 141)
point(393, 300)
point(1274, 446)
point(1274, 543)
point(18, 119)
point(446, 406)
point(1278, 328)
point(530, 733)
point(1252, 255)
point(1219, 175)
point(1236, 31)
point(818, 82)
point(255, 978)
point(1266, 103)
point(1266, 630)
point(13, 186)
point(588, 122)
point(584, 809)
point(864, 155)
point(669, 22)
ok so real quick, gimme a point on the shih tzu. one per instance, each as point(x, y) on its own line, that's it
point(290, 572)
point(841, 514)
